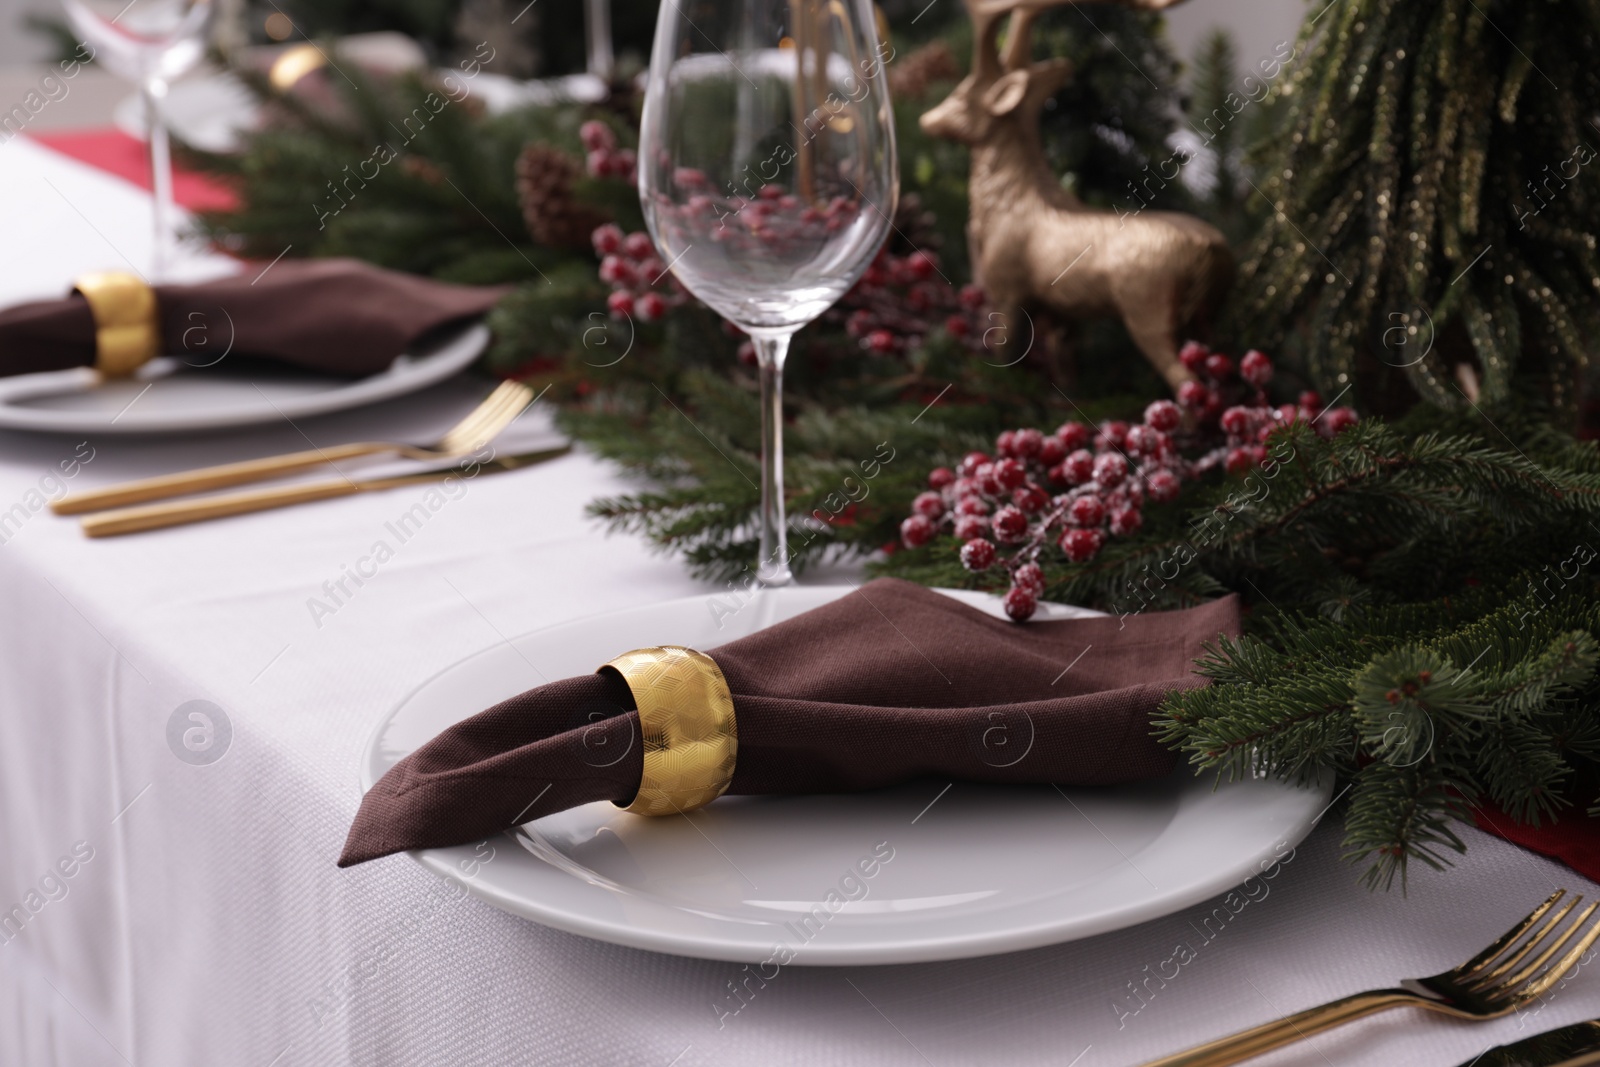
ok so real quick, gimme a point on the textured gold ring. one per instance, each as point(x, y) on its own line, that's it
point(127, 332)
point(686, 721)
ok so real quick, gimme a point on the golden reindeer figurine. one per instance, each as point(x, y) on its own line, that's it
point(1034, 243)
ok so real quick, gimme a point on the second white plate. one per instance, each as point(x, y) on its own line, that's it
point(920, 872)
point(168, 397)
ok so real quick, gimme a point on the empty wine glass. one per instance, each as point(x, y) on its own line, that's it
point(768, 179)
point(148, 42)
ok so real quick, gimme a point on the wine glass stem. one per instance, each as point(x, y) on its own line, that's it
point(771, 350)
point(154, 92)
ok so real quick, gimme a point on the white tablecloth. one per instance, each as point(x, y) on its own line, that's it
point(204, 921)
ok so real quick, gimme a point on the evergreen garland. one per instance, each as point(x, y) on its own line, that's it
point(1430, 221)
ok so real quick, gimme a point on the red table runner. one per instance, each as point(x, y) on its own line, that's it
point(115, 152)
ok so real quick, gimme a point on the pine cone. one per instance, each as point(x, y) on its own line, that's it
point(909, 79)
point(554, 216)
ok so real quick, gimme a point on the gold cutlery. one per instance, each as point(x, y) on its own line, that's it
point(507, 401)
point(180, 512)
point(1577, 1045)
point(1493, 983)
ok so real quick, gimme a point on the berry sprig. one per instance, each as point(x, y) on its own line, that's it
point(1079, 487)
point(899, 300)
point(640, 283)
point(603, 159)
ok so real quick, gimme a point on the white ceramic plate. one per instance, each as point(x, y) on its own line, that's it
point(971, 871)
point(168, 396)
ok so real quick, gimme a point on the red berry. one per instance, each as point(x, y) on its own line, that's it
point(921, 266)
point(916, 531)
point(1051, 451)
point(969, 527)
point(621, 303)
point(977, 554)
point(1072, 435)
point(1142, 441)
point(1086, 511)
point(929, 504)
point(1078, 467)
point(972, 297)
point(1021, 603)
point(1080, 545)
point(1009, 523)
point(597, 136)
point(638, 245)
point(598, 163)
point(1338, 420)
point(987, 482)
point(1027, 443)
point(1163, 415)
point(956, 326)
point(1163, 485)
point(1126, 520)
point(1031, 499)
point(1193, 395)
point(1193, 356)
point(880, 341)
point(1255, 368)
point(652, 306)
point(1005, 443)
point(1236, 421)
point(1010, 473)
point(1311, 400)
point(1029, 576)
point(607, 239)
point(940, 477)
point(971, 505)
point(1240, 459)
point(747, 354)
point(1113, 434)
point(1219, 367)
point(1110, 470)
point(970, 463)
point(617, 271)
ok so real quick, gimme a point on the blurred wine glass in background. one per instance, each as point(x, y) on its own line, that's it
point(148, 42)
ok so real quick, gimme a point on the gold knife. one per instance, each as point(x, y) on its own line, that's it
point(1577, 1045)
point(179, 512)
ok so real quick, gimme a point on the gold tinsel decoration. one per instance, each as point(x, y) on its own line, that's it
point(1432, 200)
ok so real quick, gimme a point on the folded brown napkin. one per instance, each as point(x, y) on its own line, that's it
point(888, 683)
point(341, 316)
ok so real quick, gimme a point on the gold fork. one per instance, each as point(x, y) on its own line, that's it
point(1491, 984)
point(482, 424)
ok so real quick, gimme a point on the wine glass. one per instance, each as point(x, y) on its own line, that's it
point(768, 178)
point(148, 42)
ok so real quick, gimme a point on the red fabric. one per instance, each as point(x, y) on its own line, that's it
point(1573, 839)
point(116, 153)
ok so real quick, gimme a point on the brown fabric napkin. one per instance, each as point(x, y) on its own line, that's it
point(341, 316)
point(888, 683)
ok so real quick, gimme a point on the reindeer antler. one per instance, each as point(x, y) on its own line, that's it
point(986, 15)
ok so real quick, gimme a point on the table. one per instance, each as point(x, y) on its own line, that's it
point(205, 923)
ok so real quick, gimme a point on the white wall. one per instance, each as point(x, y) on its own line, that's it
point(1256, 26)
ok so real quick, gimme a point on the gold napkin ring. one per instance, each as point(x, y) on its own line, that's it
point(126, 331)
point(687, 725)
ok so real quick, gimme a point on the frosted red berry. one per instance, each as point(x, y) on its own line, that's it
point(1080, 545)
point(1219, 366)
point(1163, 415)
point(1193, 356)
point(1021, 603)
point(1110, 470)
point(1087, 511)
point(930, 504)
point(1009, 523)
point(977, 554)
point(1073, 435)
point(1255, 368)
point(968, 527)
point(1126, 520)
point(1078, 466)
point(916, 531)
point(940, 477)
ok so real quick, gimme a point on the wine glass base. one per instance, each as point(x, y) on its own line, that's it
point(772, 575)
